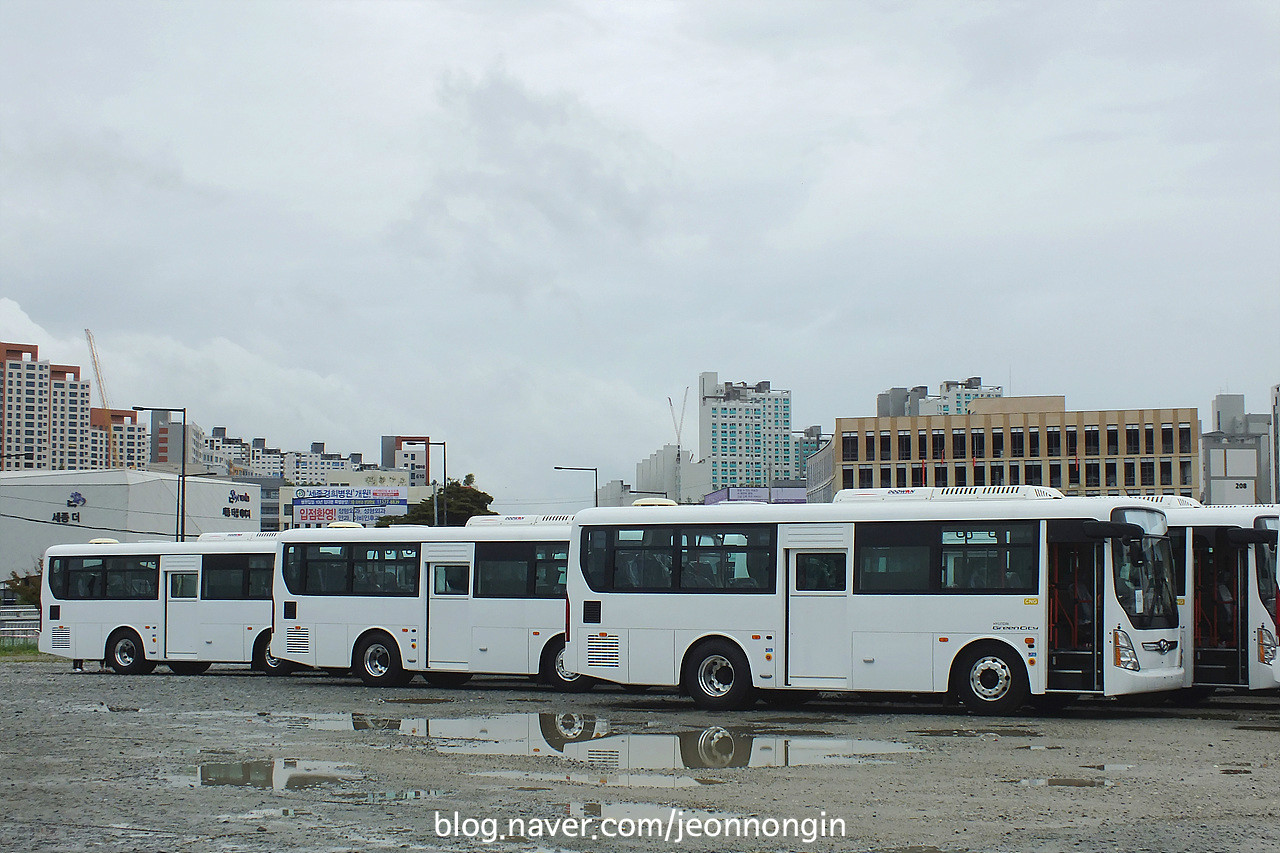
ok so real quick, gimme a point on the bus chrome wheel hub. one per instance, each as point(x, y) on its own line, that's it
point(715, 675)
point(377, 660)
point(990, 678)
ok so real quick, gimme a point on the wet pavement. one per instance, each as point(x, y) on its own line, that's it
point(237, 761)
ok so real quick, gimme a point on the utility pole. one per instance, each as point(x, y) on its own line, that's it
point(679, 427)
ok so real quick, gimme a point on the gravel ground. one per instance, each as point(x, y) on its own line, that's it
point(236, 761)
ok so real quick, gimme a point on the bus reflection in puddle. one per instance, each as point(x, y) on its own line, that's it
point(281, 774)
point(591, 739)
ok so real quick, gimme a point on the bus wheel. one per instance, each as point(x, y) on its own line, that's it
point(264, 661)
point(718, 677)
point(377, 662)
point(446, 679)
point(992, 681)
point(188, 667)
point(559, 676)
point(124, 654)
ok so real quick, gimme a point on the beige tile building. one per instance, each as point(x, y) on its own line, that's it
point(1016, 440)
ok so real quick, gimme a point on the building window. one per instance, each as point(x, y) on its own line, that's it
point(1166, 471)
point(1148, 472)
point(1034, 474)
point(1113, 440)
point(886, 448)
point(979, 475)
point(866, 477)
point(1132, 443)
point(886, 477)
point(978, 444)
point(997, 443)
point(1033, 442)
point(960, 475)
point(1150, 435)
point(904, 444)
point(1184, 438)
point(1111, 474)
point(957, 444)
point(1166, 439)
point(940, 476)
point(1091, 446)
point(1016, 442)
point(1053, 441)
point(1184, 472)
point(849, 445)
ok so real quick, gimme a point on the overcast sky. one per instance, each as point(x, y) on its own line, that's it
point(520, 227)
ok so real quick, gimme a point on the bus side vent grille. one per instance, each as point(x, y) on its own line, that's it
point(604, 651)
point(604, 757)
point(591, 612)
point(297, 641)
point(60, 637)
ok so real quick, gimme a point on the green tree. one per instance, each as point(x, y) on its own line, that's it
point(461, 501)
point(26, 588)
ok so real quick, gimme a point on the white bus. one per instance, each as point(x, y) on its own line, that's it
point(1225, 560)
point(137, 604)
point(998, 594)
point(448, 602)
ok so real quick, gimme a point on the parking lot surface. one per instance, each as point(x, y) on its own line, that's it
point(238, 761)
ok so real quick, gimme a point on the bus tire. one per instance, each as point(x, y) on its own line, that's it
point(557, 675)
point(446, 679)
point(377, 662)
point(561, 729)
point(718, 677)
point(992, 680)
point(125, 655)
point(263, 661)
point(188, 667)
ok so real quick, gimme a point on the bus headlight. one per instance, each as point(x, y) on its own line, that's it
point(1266, 646)
point(1126, 657)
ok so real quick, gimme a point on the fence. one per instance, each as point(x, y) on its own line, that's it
point(19, 626)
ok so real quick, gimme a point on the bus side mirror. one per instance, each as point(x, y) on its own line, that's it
point(1112, 530)
point(1251, 536)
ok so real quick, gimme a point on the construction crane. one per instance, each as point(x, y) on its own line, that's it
point(112, 455)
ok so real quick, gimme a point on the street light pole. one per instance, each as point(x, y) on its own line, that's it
point(180, 521)
point(595, 473)
point(444, 469)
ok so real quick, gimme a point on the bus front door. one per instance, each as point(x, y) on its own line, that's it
point(818, 646)
point(1075, 611)
point(182, 615)
point(449, 616)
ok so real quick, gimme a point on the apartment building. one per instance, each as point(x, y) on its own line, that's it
point(1012, 441)
point(47, 422)
point(744, 433)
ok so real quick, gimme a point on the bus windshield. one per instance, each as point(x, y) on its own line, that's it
point(1144, 582)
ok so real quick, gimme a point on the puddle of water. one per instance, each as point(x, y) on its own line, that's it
point(1037, 746)
point(281, 774)
point(1259, 728)
point(634, 811)
point(592, 740)
point(1107, 768)
point(624, 780)
point(1233, 771)
point(421, 700)
point(1002, 731)
point(1066, 783)
point(385, 797)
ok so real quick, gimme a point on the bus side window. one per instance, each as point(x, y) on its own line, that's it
point(451, 580)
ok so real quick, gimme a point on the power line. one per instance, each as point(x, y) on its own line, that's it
point(165, 533)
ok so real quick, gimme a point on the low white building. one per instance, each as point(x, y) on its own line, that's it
point(43, 508)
